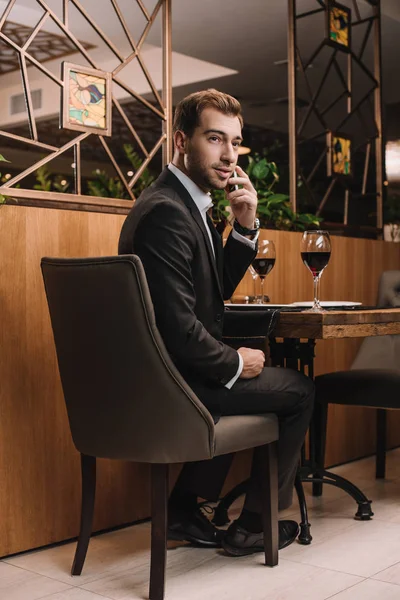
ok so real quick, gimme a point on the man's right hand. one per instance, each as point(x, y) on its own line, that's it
point(253, 362)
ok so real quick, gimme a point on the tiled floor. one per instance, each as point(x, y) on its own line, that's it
point(347, 560)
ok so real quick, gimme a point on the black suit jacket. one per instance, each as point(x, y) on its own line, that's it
point(187, 283)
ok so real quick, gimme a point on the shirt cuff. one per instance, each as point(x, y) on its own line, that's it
point(238, 372)
point(245, 240)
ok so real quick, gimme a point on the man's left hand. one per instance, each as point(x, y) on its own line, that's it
point(243, 201)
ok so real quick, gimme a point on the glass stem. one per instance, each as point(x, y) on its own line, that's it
point(316, 291)
point(262, 289)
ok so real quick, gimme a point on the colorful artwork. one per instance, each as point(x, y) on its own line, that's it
point(86, 103)
point(339, 155)
point(87, 100)
point(339, 24)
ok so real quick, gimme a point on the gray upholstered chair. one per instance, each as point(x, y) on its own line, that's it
point(126, 400)
point(372, 381)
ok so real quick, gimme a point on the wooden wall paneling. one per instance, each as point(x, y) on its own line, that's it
point(13, 386)
point(39, 502)
point(39, 467)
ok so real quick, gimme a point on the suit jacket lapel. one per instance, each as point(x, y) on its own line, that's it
point(168, 178)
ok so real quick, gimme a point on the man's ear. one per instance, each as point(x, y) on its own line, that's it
point(180, 141)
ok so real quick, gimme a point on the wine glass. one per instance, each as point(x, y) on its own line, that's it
point(315, 253)
point(264, 262)
point(254, 277)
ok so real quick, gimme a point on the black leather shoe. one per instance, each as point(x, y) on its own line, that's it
point(193, 526)
point(239, 542)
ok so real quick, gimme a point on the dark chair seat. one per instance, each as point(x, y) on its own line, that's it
point(376, 388)
point(373, 381)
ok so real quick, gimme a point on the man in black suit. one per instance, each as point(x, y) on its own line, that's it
point(190, 274)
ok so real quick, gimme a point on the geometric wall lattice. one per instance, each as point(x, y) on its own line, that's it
point(35, 46)
point(342, 98)
point(44, 46)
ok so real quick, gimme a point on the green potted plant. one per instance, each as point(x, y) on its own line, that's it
point(112, 187)
point(391, 214)
point(102, 185)
point(47, 182)
point(274, 209)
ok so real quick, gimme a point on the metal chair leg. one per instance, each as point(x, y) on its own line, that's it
point(381, 414)
point(305, 536)
point(320, 422)
point(88, 474)
point(159, 523)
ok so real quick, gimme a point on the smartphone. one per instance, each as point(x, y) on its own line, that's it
point(234, 187)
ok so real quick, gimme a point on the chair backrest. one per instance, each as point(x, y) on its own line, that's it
point(382, 352)
point(389, 289)
point(125, 398)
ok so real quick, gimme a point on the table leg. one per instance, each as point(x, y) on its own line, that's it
point(296, 354)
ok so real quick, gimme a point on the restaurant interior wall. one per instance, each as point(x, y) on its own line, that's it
point(39, 467)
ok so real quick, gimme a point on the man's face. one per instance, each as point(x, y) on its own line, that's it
point(211, 152)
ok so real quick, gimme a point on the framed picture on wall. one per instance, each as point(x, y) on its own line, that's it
point(86, 99)
point(338, 25)
point(339, 155)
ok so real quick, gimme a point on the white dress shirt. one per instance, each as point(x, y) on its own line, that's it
point(204, 203)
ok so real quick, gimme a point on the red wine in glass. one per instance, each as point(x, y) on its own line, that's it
point(316, 261)
point(263, 266)
point(263, 263)
point(315, 253)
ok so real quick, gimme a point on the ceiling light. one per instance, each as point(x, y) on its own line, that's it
point(244, 150)
point(393, 160)
point(130, 173)
point(7, 176)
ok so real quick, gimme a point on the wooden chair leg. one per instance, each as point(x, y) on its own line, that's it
point(320, 421)
point(159, 498)
point(380, 467)
point(88, 475)
point(266, 469)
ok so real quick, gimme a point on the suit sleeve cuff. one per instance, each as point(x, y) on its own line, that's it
point(245, 240)
point(238, 372)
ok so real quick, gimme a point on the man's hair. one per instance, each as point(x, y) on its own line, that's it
point(188, 111)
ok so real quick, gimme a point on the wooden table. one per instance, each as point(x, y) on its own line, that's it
point(338, 324)
point(293, 346)
point(292, 352)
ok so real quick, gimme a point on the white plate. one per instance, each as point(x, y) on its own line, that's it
point(255, 304)
point(327, 303)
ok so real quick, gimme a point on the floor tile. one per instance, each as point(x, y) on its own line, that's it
point(215, 576)
point(370, 590)
point(363, 471)
point(390, 575)
point(108, 553)
point(74, 594)
point(249, 579)
point(363, 549)
point(385, 496)
point(134, 582)
point(18, 584)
